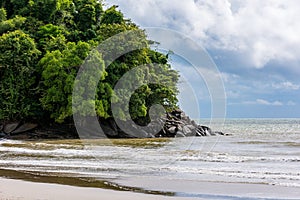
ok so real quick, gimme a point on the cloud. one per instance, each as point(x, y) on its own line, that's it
point(261, 31)
point(287, 85)
point(291, 103)
point(229, 77)
point(263, 102)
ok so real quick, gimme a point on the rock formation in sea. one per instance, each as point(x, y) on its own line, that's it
point(174, 124)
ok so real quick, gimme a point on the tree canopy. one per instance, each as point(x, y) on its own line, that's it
point(43, 44)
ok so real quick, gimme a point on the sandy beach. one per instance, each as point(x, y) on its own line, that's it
point(214, 190)
point(23, 190)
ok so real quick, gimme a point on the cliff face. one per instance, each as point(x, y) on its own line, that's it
point(172, 124)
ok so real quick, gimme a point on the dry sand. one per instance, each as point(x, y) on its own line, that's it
point(23, 190)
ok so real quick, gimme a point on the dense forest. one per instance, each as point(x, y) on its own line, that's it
point(43, 43)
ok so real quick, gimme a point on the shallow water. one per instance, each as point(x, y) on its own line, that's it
point(260, 151)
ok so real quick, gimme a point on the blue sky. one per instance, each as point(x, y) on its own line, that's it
point(255, 45)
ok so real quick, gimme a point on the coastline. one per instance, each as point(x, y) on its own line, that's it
point(214, 190)
point(250, 165)
point(18, 189)
point(11, 189)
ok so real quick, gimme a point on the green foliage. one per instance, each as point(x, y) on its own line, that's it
point(43, 43)
point(86, 99)
point(3, 14)
point(112, 16)
point(11, 24)
point(19, 7)
point(59, 72)
point(17, 95)
point(44, 10)
point(51, 37)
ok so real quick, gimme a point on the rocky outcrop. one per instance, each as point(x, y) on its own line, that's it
point(178, 124)
point(174, 124)
point(10, 127)
point(34, 131)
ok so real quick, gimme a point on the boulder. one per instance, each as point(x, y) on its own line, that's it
point(142, 134)
point(194, 123)
point(25, 127)
point(172, 129)
point(150, 135)
point(200, 132)
point(109, 131)
point(187, 131)
point(207, 130)
point(8, 128)
point(2, 135)
point(191, 127)
point(179, 134)
point(177, 113)
point(180, 128)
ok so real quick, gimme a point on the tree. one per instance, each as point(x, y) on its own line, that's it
point(60, 70)
point(11, 24)
point(37, 78)
point(3, 14)
point(51, 37)
point(18, 76)
point(112, 16)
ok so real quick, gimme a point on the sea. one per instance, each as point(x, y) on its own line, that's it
point(262, 152)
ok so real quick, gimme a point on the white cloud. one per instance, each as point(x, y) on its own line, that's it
point(262, 31)
point(230, 78)
point(231, 94)
point(263, 102)
point(287, 85)
point(291, 103)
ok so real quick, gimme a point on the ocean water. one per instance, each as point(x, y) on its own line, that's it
point(258, 151)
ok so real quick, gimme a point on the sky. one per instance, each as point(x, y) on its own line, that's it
point(254, 44)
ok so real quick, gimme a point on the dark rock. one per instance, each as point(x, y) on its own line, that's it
point(180, 128)
point(219, 133)
point(2, 135)
point(20, 137)
point(187, 131)
point(194, 123)
point(113, 124)
point(207, 130)
point(177, 113)
point(188, 120)
point(150, 135)
point(172, 124)
point(142, 134)
point(191, 127)
point(179, 134)
point(25, 127)
point(213, 134)
point(109, 131)
point(8, 128)
point(172, 129)
point(200, 132)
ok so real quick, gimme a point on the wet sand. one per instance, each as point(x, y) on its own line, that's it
point(24, 190)
point(11, 189)
point(214, 190)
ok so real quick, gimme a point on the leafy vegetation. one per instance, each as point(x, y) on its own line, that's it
point(43, 43)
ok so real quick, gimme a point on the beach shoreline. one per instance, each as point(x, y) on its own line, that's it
point(213, 190)
point(11, 189)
